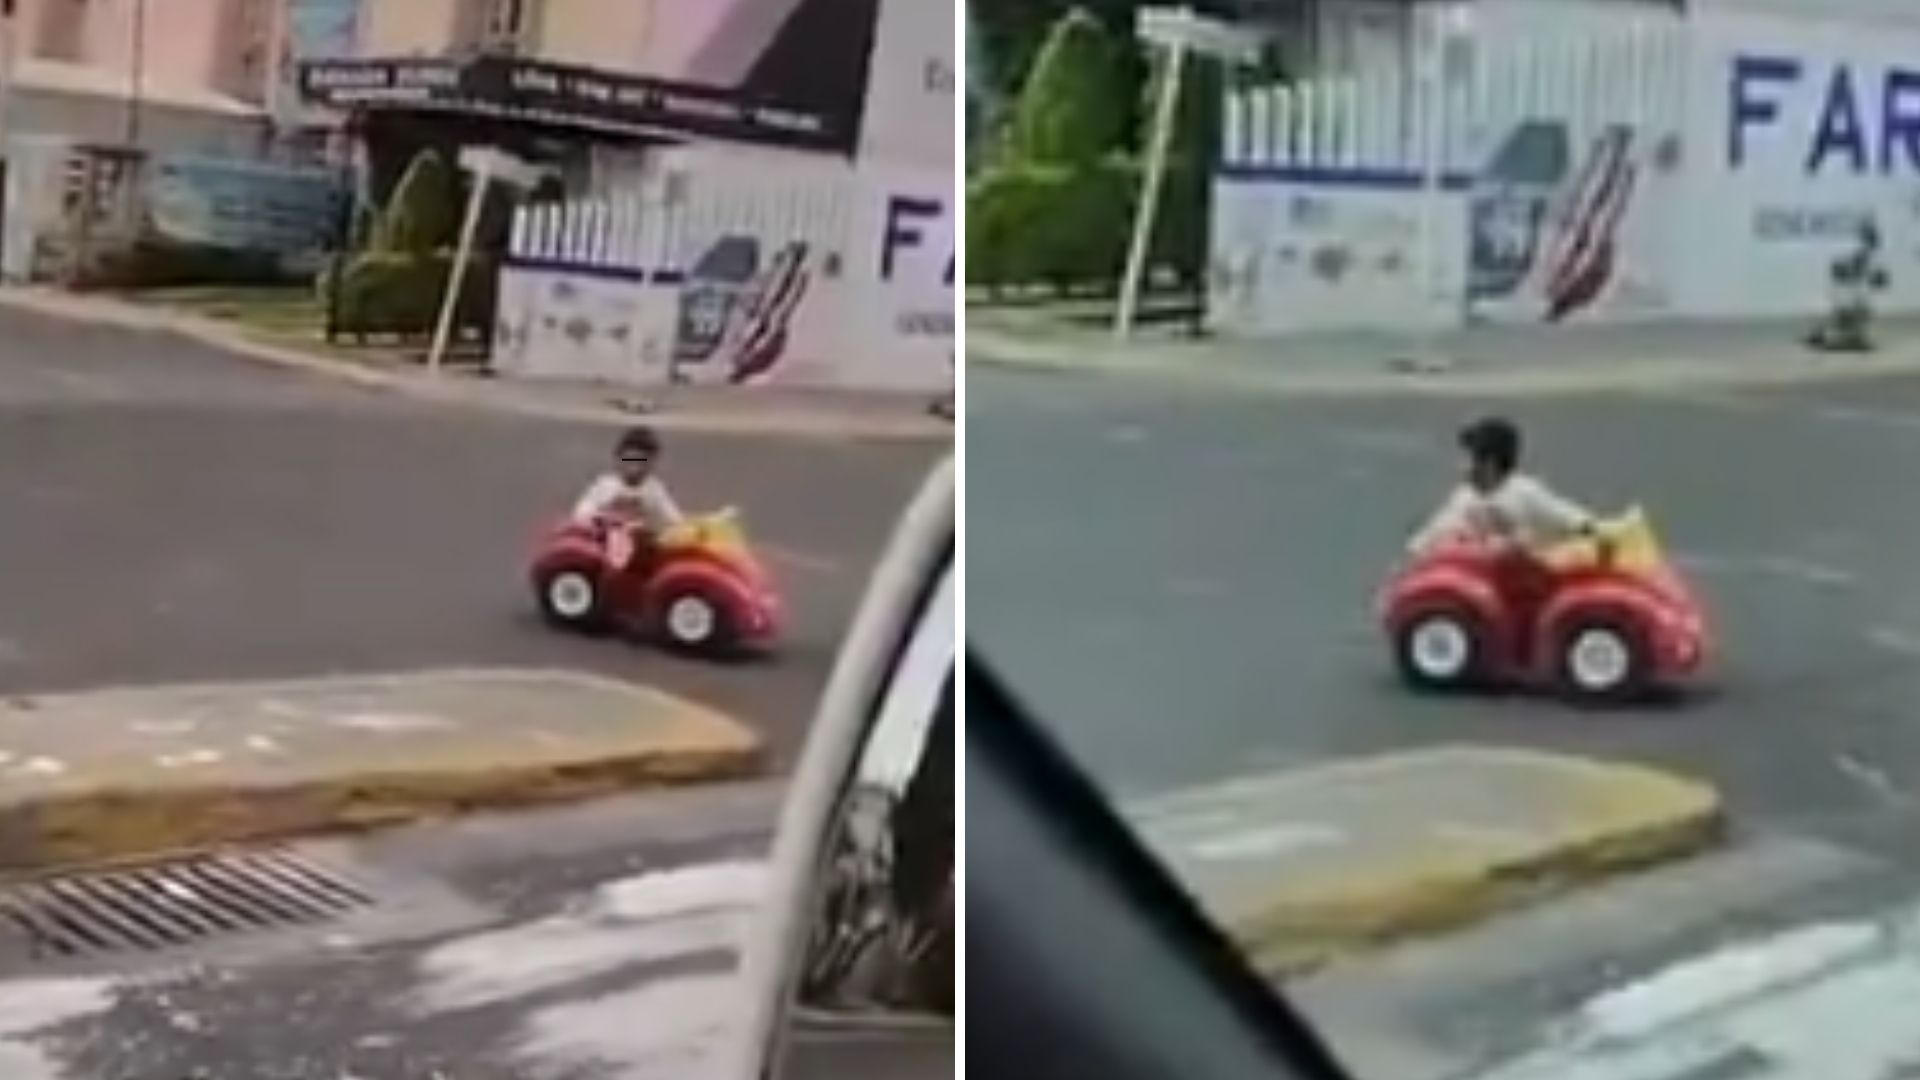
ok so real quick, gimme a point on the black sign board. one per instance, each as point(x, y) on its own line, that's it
point(562, 92)
point(351, 84)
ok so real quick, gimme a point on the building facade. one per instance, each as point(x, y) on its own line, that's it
point(1572, 160)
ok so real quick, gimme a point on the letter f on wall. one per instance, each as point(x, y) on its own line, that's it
point(1748, 105)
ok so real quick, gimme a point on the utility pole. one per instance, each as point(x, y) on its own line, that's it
point(8, 22)
point(137, 74)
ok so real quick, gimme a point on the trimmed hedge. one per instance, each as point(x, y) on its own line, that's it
point(384, 292)
point(424, 210)
point(1038, 225)
point(1072, 107)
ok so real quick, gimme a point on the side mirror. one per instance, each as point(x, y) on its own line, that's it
point(849, 971)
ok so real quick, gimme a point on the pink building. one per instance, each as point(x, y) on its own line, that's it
point(173, 74)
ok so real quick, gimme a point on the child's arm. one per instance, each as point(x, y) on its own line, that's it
point(1558, 513)
point(1453, 517)
point(594, 502)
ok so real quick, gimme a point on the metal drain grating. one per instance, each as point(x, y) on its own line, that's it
point(175, 903)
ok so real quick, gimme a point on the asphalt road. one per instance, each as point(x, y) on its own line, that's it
point(169, 513)
point(1182, 580)
point(597, 940)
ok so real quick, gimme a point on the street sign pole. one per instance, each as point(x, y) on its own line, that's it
point(1140, 248)
point(8, 22)
point(456, 276)
point(1179, 32)
point(487, 165)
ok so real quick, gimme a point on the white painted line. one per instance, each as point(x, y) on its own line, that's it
point(797, 559)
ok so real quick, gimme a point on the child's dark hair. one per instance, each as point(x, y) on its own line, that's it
point(1493, 440)
point(639, 440)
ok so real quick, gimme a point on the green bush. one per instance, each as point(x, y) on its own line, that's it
point(1030, 225)
point(1072, 109)
point(153, 264)
point(423, 212)
point(396, 293)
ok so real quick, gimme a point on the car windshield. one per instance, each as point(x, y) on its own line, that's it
point(1471, 555)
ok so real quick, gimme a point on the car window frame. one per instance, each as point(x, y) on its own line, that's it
point(899, 595)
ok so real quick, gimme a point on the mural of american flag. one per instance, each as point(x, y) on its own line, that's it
point(760, 336)
point(1580, 258)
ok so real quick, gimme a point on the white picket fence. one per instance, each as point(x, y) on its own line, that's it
point(636, 232)
point(1392, 120)
point(660, 226)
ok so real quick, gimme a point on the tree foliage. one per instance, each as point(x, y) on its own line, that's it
point(1071, 110)
point(423, 212)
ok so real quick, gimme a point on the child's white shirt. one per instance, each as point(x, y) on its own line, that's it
point(647, 503)
point(1521, 509)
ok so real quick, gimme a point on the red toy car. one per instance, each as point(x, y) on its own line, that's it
point(1599, 620)
point(698, 587)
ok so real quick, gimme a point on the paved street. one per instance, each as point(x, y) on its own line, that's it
point(168, 513)
point(598, 940)
point(1182, 579)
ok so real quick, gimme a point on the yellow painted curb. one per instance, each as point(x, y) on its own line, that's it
point(115, 806)
point(1619, 817)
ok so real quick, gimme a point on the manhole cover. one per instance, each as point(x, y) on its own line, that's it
point(174, 903)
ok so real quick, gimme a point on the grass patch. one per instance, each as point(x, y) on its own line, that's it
point(279, 311)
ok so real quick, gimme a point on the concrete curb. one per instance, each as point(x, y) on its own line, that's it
point(1631, 375)
point(454, 391)
point(118, 807)
point(1624, 817)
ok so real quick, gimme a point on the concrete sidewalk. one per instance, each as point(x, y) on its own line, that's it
point(1302, 867)
point(108, 774)
point(782, 411)
point(1508, 360)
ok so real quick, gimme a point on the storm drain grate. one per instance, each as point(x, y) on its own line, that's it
point(175, 903)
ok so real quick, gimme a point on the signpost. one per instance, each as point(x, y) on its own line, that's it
point(486, 164)
point(1177, 31)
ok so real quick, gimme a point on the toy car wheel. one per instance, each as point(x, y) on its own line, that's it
point(1442, 649)
point(692, 619)
point(571, 598)
point(1602, 660)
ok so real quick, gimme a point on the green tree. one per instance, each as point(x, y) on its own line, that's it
point(422, 214)
point(1072, 109)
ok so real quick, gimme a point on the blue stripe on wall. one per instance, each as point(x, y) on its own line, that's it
point(638, 275)
point(1341, 176)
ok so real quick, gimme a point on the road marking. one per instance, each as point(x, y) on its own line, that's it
point(1722, 978)
point(29, 1007)
point(1894, 639)
point(1871, 778)
point(650, 918)
point(1789, 567)
point(1386, 443)
point(800, 560)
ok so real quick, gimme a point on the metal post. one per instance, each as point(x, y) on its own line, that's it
point(279, 29)
point(137, 73)
point(1140, 248)
point(443, 332)
point(8, 24)
point(1432, 165)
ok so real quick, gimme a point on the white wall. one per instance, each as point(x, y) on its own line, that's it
point(910, 89)
point(1772, 199)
